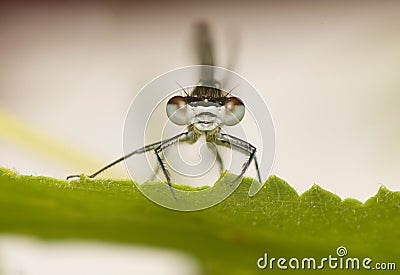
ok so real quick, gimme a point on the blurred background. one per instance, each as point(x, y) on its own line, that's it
point(329, 72)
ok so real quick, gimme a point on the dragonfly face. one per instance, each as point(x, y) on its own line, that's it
point(206, 109)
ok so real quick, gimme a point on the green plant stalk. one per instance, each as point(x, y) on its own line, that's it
point(227, 238)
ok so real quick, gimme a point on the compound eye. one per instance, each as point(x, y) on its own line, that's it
point(234, 111)
point(176, 110)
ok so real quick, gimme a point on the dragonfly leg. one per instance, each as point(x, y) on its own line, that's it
point(138, 151)
point(164, 145)
point(241, 146)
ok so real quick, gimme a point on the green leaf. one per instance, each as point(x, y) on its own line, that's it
point(228, 238)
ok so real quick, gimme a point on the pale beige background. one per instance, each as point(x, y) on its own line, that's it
point(329, 72)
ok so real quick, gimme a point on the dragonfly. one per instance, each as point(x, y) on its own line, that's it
point(204, 109)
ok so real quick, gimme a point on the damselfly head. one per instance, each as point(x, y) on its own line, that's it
point(205, 112)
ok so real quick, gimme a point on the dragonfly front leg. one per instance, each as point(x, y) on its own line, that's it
point(164, 145)
point(138, 151)
point(241, 146)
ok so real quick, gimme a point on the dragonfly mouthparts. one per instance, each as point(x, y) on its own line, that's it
point(206, 121)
